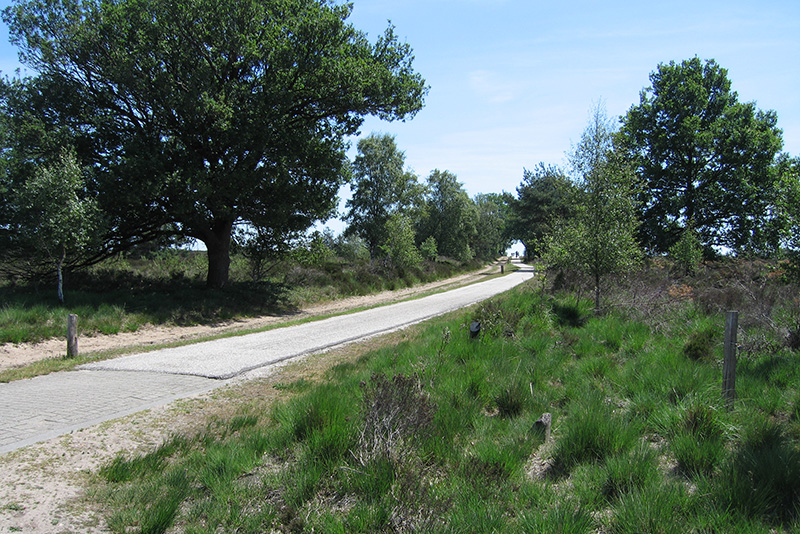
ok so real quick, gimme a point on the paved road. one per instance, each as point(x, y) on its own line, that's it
point(48, 406)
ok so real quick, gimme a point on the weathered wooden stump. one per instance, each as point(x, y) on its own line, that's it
point(542, 426)
point(72, 335)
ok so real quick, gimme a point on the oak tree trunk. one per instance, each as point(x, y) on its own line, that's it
point(218, 245)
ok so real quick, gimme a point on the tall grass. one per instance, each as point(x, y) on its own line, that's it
point(593, 433)
point(436, 435)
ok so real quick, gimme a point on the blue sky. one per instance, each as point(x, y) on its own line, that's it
point(512, 81)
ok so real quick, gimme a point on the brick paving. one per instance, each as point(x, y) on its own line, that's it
point(48, 406)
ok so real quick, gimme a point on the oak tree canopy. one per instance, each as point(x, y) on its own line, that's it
point(193, 117)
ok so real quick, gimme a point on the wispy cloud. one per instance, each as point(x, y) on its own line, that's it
point(493, 87)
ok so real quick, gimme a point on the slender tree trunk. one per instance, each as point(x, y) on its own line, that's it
point(60, 269)
point(597, 293)
point(218, 244)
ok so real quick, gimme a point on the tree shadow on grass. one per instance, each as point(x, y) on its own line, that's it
point(130, 297)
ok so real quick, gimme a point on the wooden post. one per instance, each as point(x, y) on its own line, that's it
point(729, 362)
point(501, 268)
point(72, 335)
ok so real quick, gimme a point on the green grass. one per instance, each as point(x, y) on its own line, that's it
point(436, 434)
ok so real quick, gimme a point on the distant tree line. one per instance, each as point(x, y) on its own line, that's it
point(406, 220)
point(690, 172)
point(159, 122)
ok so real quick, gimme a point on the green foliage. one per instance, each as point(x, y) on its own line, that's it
point(201, 116)
point(497, 320)
point(599, 239)
point(262, 248)
point(698, 439)
point(789, 206)
point(429, 249)
point(23, 320)
point(562, 518)
point(447, 443)
point(351, 248)
point(55, 217)
point(449, 216)
point(382, 188)
point(687, 252)
point(760, 477)
point(630, 471)
point(399, 245)
point(592, 433)
point(654, 508)
point(510, 401)
point(545, 196)
point(568, 314)
point(312, 251)
point(124, 293)
point(492, 233)
point(707, 160)
point(700, 344)
point(123, 469)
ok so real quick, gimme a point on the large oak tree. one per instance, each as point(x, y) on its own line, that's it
point(199, 115)
point(707, 160)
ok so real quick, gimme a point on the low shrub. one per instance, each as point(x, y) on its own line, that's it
point(497, 320)
point(700, 345)
point(394, 412)
point(568, 315)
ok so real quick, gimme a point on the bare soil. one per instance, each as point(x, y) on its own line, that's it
point(43, 487)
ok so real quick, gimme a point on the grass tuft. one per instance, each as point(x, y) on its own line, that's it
point(760, 478)
point(592, 432)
